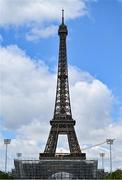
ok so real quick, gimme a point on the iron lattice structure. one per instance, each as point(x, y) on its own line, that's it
point(59, 166)
point(62, 122)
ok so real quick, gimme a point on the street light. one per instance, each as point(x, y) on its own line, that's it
point(110, 142)
point(102, 157)
point(6, 142)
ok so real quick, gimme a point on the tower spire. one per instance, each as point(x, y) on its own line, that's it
point(62, 16)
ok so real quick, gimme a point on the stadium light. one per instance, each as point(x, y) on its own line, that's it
point(6, 142)
point(102, 155)
point(110, 142)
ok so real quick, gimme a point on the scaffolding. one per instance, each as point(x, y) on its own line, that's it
point(55, 168)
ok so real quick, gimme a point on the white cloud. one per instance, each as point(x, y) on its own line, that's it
point(24, 88)
point(37, 32)
point(27, 103)
point(39, 17)
point(93, 106)
point(16, 12)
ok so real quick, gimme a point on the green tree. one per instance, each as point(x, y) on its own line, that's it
point(114, 175)
point(5, 175)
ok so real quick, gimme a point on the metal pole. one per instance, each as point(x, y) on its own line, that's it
point(110, 159)
point(102, 163)
point(6, 158)
point(110, 142)
point(6, 142)
point(102, 159)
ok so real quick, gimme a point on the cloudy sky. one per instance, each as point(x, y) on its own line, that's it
point(28, 66)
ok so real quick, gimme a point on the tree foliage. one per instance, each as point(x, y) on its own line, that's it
point(5, 175)
point(114, 175)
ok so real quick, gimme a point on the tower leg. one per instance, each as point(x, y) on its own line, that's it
point(52, 142)
point(73, 142)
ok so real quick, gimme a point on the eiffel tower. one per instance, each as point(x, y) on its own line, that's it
point(50, 164)
point(62, 122)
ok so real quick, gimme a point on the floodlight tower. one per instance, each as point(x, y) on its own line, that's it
point(6, 142)
point(102, 155)
point(110, 142)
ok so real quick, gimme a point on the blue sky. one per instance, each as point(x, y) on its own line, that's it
point(29, 56)
point(94, 43)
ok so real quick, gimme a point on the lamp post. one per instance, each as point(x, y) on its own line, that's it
point(110, 142)
point(6, 142)
point(102, 159)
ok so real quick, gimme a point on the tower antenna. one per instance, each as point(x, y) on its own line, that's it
point(62, 16)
